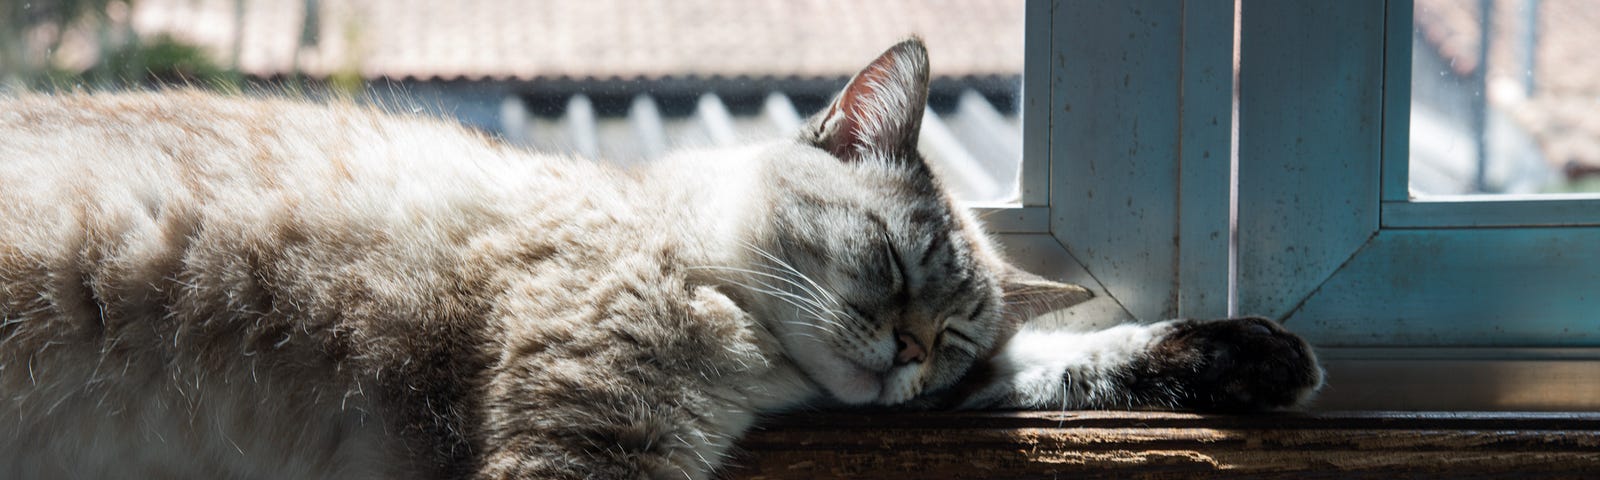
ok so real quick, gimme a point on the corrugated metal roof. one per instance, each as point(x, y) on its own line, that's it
point(553, 39)
point(974, 141)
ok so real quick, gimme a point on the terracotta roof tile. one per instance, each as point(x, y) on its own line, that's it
point(516, 39)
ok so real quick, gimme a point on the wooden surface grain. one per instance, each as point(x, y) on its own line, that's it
point(1172, 445)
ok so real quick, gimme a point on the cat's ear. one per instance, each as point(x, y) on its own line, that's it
point(1028, 295)
point(880, 111)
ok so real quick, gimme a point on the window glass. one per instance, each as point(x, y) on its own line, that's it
point(1505, 97)
point(618, 80)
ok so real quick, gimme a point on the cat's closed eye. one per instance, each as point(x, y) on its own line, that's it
point(898, 266)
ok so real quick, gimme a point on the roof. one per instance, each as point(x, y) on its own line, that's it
point(629, 80)
point(580, 39)
point(974, 143)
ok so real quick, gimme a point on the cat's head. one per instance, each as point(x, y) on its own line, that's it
point(881, 287)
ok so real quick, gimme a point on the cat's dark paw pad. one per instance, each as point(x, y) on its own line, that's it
point(1230, 365)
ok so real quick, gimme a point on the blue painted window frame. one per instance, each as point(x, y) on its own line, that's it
point(1126, 113)
point(1129, 189)
point(1329, 240)
point(1127, 130)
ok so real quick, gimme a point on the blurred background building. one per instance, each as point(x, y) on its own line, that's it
point(619, 80)
point(1505, 96)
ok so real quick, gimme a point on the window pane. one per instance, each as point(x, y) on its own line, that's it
point(618, 80)
point(1507, 102)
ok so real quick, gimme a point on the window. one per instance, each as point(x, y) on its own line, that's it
point(1444, 302)
point(1128, 114)
point(1331, 241)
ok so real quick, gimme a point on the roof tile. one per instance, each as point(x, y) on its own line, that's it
point(526, 40)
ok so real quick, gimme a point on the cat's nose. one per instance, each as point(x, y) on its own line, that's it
point(909, 349)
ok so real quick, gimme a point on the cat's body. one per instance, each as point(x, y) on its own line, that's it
point(194, 286)
point(353, 281)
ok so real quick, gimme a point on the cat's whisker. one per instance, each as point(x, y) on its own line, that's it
point(797, 285)
point(790, 268)
point(801, 335)
point(813, 326)
point(818, 295)
point(749, 271)
point(787, 297)
point(816, 312)
point(820, 328)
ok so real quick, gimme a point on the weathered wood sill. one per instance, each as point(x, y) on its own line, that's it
point(1173, 445)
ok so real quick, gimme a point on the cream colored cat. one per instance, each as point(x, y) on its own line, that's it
point(196, 286)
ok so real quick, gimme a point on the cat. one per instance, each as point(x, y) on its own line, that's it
point(200, 286)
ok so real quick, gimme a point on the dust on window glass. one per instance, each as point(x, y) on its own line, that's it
point(1505, 97)
point(618, 80)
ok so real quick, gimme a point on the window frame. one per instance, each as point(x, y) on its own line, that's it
point(1406, 299)
point(1433, 303)
point(1378, 268)
point(1128, 245)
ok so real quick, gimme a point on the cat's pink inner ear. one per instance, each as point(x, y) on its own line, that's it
point(881, 109)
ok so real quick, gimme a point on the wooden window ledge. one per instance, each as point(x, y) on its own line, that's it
point(1094, 444)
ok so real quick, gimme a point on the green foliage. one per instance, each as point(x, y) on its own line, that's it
point(126, 60)
point(1588, 184)
point(162, 60)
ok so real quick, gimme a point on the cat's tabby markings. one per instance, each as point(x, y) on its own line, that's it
point(197, 286)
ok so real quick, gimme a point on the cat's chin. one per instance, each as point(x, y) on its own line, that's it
point(843, 379)
point(855, 386)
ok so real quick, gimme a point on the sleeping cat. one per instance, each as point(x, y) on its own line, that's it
point(195, 286)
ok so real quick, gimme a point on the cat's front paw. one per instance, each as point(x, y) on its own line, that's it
point(1231, 365)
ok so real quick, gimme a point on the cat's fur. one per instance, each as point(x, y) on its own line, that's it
point(194, 286)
